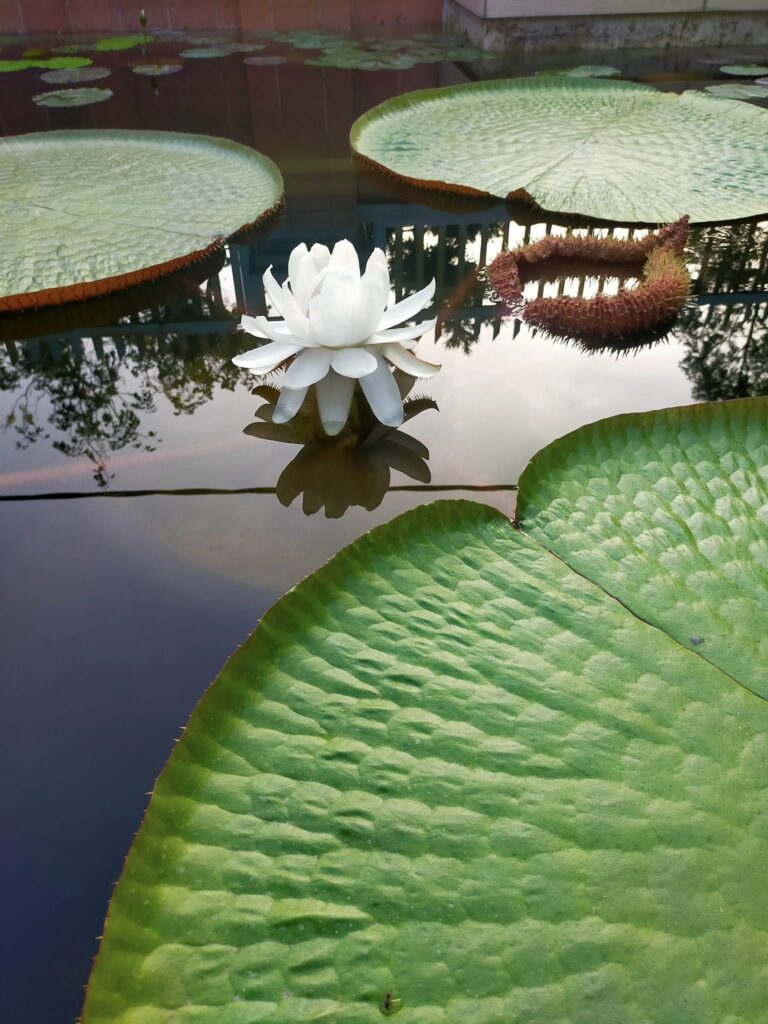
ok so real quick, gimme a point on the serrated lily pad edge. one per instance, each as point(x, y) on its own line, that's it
point(103, 286)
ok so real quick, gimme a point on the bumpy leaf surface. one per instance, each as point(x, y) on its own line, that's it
point(668, 511)
point(87, 212)
point(449, 776)
point(613, 150)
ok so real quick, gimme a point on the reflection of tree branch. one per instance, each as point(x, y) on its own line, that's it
point(726, 351)
point(95, 397)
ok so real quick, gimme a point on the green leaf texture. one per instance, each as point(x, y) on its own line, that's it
point(612, 150)
point(668, 511)
point(448, 776)
point(87, 212)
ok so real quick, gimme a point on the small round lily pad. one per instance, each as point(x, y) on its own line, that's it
point(121, 43)
point(71, 97)
point(737, 91)
point(584, 71)
point(264, 62)
point(156, 70)
point(744, 70)
point(52, 63)
point(205, 52)
point(64, 76)
point(307, 40)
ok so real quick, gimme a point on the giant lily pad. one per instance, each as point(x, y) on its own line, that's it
point(737, 91)
point(157, 70)
point(584, 71)
point(72, 97)
point(66, 75)
point(605, 149)
point(744, 70)
point(450, 777)
point(87, 212)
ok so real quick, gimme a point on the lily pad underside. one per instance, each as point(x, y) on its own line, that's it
point(603, 149)
point(452, 776)
point(88, 212)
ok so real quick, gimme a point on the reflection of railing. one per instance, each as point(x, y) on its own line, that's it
point(181, 348)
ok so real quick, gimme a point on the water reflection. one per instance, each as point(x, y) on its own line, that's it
point(726, 350)
point(87, 380)
point(352, 468)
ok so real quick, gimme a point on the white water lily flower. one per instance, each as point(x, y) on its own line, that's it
point(337, 328)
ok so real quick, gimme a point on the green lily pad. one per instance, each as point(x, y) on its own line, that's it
point(121, 43)
point(69, 48)
point(584, 71)
point(264, 62)
point(307, 40)
point(88, 212)
point(72, 97)
point(206, 52)
point(744, 70)
point(696, 524)
point(67, 75)
point(605, 149)
point(451, 777)
point(157, 70)
point(737, 91)
point(51, 63)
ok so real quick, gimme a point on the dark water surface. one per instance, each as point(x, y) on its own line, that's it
point(120, 607)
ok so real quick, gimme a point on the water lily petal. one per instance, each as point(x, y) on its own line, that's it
point(273, 290)
point(275, 330)
point(303, 276)
point(344, 258)
point(288, 404)
point(267, 357)
point(408, 308)
point(308, 368)
point(251, 325)
point(353, 362)
point(296, 319)
point(298, 253)
point(377, 272)
point(407, 361)
point(321, 254)
point(345, 309)
point(334, 398)
point(401, 334)
point(383, 396)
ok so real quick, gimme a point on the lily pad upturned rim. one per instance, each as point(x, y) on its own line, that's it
point(442, 186)
point(103, 286)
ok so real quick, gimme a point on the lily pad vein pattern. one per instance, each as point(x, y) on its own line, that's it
point(604, 149)
point(448, 770)
point(91, 211)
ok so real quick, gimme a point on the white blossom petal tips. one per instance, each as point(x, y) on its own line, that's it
point(337, 326)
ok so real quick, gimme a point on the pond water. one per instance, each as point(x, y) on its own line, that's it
point(145, 531)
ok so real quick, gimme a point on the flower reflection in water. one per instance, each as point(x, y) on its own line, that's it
point(338, 328)
point(350, 468)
